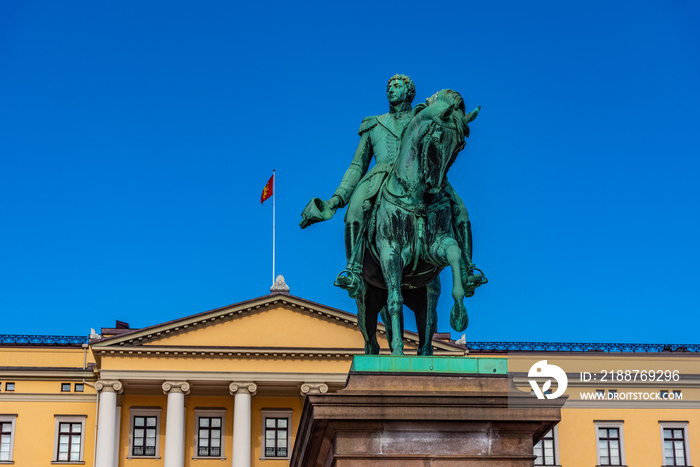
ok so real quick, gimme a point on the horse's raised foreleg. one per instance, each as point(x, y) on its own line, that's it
point(392, 269)
point(450, 252)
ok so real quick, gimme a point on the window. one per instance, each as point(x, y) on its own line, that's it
point(276, 434)
point(677, 394)
point(69, 438)
point(144, 432)
point(7, 437)
point(610, 447)
point(9, 386)
point(674, 439)
point(144, 439)
point(600, 393)
point(65, 387)
point(79, 387)
point(209, 435)
point(612, 393)
point(663, 394)
point(546, 449)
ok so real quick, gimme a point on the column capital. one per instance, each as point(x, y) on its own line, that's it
point(313, 388)
point(242, 388)
point(109, 386)
point(176, 387)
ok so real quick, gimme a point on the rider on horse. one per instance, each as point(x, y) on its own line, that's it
point(380, 137)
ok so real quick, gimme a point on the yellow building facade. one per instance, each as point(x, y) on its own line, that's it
point(227, 386)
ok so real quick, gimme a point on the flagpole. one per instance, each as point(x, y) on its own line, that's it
point(274, 192)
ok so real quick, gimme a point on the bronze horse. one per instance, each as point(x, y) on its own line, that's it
point(410, 231)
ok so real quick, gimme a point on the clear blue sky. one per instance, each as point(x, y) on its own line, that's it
point(136, 137)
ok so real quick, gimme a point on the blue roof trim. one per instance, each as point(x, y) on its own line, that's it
point(47, 340)
point(581, 347)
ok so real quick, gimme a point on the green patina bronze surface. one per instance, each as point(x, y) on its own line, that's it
point(410, 364)
point(404, 221)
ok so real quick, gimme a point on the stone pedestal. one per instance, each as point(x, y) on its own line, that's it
point(423, 411)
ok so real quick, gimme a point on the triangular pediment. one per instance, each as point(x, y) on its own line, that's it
point(277, 321)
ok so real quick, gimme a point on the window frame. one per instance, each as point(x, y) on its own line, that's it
point(79, 385)
point(209, 412)
point(555, 438)
point(275, 413)
point(59, 419)
point(9, 388)
point(66, 387)
point(610, 424)
point(675, 425)
point(9, 418)
point(144, 412)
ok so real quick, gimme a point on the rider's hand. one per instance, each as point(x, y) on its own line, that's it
point(334, 202)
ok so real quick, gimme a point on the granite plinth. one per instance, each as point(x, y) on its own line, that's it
point(417, 418)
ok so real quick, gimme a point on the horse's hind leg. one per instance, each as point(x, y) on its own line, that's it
point(422, 302)
point(384, 314)
point(368, 305)
point(432, 293)
point(373, 300)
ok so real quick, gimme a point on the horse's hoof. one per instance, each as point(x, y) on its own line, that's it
point(372, 349)
point(458, 317)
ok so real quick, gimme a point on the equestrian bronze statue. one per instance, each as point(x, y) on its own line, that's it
point(404, 222)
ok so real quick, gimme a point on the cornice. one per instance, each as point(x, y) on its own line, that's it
point(675, 405)
point(245, 352)
point(208, 376)
point(41, 397)
point(46, 373)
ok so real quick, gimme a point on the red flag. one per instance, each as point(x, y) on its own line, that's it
point(267, 191)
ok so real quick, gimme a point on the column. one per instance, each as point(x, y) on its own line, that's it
point(117, 430)
point(242, 393)
point(107, 423)
point(174, 452)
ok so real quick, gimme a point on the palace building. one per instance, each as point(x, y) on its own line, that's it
point(215, 388)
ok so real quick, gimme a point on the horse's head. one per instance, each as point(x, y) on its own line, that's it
point(444, 128)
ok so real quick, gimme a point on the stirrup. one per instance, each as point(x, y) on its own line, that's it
point(350, 281)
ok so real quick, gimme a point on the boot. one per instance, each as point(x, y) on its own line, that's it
point(351, 278)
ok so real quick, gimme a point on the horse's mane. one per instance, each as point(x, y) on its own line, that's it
point(453, 99)
point(447, 96)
